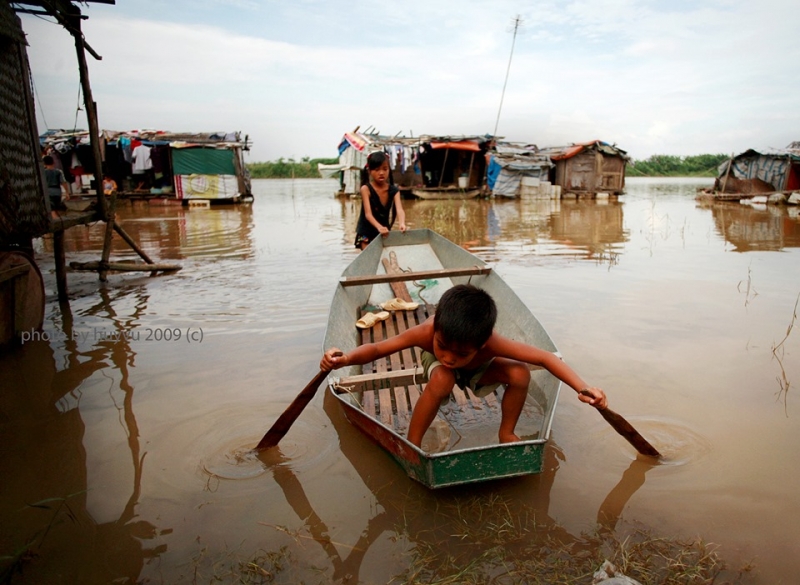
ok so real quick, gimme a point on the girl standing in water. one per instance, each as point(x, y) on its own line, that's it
point(380, 202)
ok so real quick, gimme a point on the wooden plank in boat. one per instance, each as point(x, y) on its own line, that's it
point(413, 396)
point(391, 266)
point(368, 400)
point(399, 377)
point(395, 358)
point(385, 403)
point(477, 403)
point(408, 355)
point(463, 403)
point(406, 276)
point(402, 406)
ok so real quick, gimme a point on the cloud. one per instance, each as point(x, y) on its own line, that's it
point(654, 77)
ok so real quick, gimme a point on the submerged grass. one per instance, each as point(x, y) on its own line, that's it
point(492, 539)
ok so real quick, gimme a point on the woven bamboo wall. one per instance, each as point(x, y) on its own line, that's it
point(23, 211)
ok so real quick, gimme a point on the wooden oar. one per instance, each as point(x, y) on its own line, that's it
point(625, 429)
point(281, 426)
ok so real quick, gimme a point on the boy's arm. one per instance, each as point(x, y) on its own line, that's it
point(504, 347)
point(369, 352)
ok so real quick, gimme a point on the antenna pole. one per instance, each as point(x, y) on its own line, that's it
point(517, 23)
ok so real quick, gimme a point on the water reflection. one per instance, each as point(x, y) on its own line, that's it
point(170, 232)
point(757, 227)
point(406, 508)
point(46, 502)
point(573, 229)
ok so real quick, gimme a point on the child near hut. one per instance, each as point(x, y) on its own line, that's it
point(57, 187)
point(380, 202)
point(459, 346)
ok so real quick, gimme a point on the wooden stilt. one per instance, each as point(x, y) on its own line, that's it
point(124, 267)
point(61, 267)
point(110, 221)
point(91, 114)
point(130, 241)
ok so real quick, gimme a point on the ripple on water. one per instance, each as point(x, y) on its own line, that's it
point(678, 444)
point(232, 456)
point(219, 445)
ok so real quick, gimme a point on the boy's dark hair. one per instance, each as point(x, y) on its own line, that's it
point(48, 160)
point(465, 315)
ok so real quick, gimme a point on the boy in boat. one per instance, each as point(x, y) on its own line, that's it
point(459, 346)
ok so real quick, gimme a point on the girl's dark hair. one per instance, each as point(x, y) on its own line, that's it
point(374, 161)
point(465, 315)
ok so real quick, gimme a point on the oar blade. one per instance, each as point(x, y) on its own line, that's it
point(624, 428)
point(281, 426)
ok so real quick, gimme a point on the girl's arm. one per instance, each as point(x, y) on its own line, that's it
point(368, 212)
point(401, 214)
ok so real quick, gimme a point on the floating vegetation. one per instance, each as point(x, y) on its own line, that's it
point(750, 292)
point(492, 540)
point(778, 353)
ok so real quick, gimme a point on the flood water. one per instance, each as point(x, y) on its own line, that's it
point(125, 425)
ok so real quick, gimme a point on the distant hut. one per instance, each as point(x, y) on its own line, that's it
point(517, 170)
point(753, 172)
point(428, 167)
point(588, 169)
point(185, 166)
point(452, 167)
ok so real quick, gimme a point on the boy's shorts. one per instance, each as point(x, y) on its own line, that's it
point(464, 378)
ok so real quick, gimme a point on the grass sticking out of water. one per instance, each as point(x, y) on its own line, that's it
point(491, 540)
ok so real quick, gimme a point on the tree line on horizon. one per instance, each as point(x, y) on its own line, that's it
point(666, 165)
point(658, 165)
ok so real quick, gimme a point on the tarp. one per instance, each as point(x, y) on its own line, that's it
point(771, 167)
point(203, 161)
point(563, 153)
point(504, 174)
point(462, 145)
point(206, 186)
point(329, 171)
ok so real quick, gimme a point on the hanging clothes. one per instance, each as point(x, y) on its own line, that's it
point(141, 159)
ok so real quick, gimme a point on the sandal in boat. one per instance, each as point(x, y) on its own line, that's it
point(370, 319)
point(399, 305)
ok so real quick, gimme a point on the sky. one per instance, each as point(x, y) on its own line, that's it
point(673, 77)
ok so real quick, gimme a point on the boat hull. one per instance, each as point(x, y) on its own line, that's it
point(476, 455)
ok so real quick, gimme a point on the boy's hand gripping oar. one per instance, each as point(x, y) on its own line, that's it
point(625, 429)
point(281, 426)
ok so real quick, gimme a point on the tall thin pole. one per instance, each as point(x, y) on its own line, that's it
point(517, 23)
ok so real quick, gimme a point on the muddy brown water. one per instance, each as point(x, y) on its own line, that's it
point(125, 425)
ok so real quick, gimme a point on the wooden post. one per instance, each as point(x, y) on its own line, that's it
point(102, 271)
point(441, 176)
point(61, 265)
point(91, 111)
point(130, 241)
point(727, 172)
